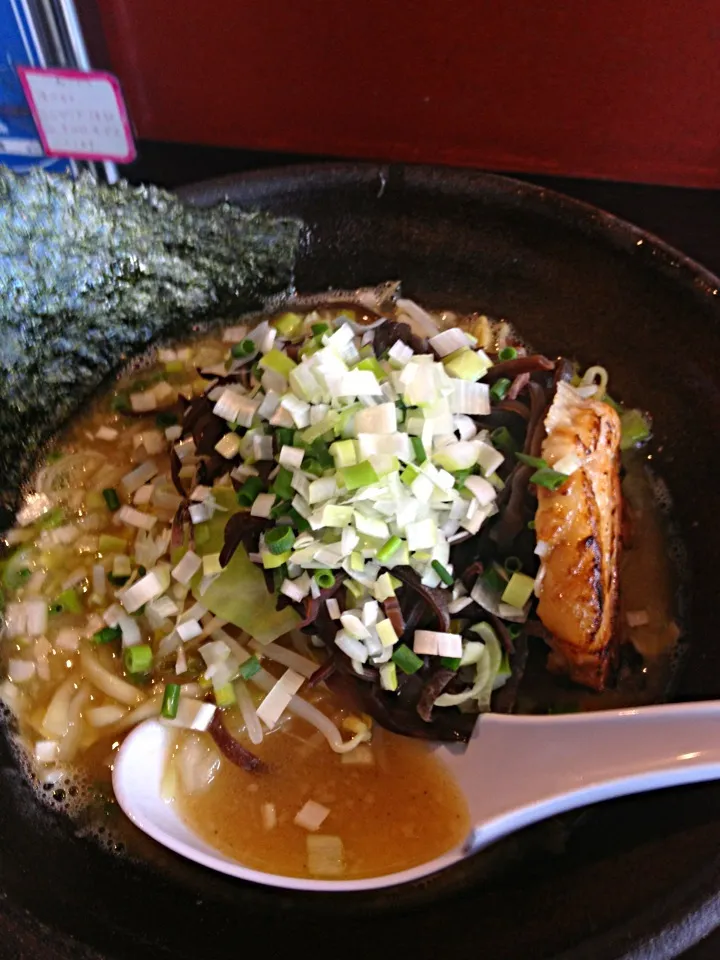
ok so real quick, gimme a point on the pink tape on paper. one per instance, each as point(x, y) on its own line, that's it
point(80, 115)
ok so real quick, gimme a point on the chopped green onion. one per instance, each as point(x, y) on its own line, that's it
point(450, 663)
point(202, 534)
point(536, 462)
point(15, 578)
point(52, 519)
point(285, 437)
point(166, 419)
point(225, 696)
point(461, 476)
point(324, 579)
point(531, 525)
point(171, 701)
point(371, 364)
point(312, 466)
point(287, 323)
point(503, 440)
point(492, 580)
point(443, 573)
point(419, 449)
point(248, 491)
point(319, 329)
point(279, 539)
point(388, 549)
point(344, 453)
point(513, 564)
point(409, 474)
point(138, 659)
point(271, 561)
point(120, 403)
point(498, 391)
point(249, 668)
point(359, 475)
point(118, 580)
point(242, 349)
point(280, 509)
point(507, 353)
point(300, 523)
point(617, 407)
point(635, 429)
point(550, 479)
point(514, 630)
point(408, 661)
point(109, 544)
point(69, 601)
point(518, 590)
point(282, 484)
point(107, 635)
point(111, 498)
point(278, 362)
point(174, 366)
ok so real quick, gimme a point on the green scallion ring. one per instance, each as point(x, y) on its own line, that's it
point(138, 659)
point(242, 349)
point(171, 701)
point(279, 539)
point(443, 573)
point(324, 579)
point(507, 353)
point(513, 564)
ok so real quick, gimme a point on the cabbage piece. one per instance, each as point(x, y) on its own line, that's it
point(240, 595)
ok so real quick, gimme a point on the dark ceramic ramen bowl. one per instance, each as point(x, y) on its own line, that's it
point(631, 878)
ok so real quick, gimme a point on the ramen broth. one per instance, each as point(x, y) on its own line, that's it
point(390, 801)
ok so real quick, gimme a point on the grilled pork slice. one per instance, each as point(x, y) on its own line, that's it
point(578, 533)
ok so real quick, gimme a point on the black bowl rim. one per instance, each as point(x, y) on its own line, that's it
point(678, 921)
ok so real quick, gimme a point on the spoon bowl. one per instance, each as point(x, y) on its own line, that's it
point(515, 771)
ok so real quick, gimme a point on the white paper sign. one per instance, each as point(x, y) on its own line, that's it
point(78, 114)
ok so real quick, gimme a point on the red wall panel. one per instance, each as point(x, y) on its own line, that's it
point(628, 89)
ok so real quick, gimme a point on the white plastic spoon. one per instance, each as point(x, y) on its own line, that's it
point(515, 771)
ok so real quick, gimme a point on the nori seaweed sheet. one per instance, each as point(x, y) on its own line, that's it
point(90, 274)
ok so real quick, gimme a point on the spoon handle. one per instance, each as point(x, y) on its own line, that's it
point(541, 766)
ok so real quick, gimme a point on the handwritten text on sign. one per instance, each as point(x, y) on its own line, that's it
point(79, 115)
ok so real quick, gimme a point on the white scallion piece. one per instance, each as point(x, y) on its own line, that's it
point(268, 814)
point(187, 567)
point(139, 476)
point(143, 402)
point(201, 512)
point(448, 341)
point(276, 701)
point(262, 505)
point(185, 449)
point(147, 588)
point(236, 407)
point(46, 751)
point(380, 419)
point(229, 445)
point(435, 643)
point(297, 589)
point(354, 649)
point(19, 670)
point(637, 618)
point(291, 457)
point(470, 398)
point(107, 433)
point(136, 518)
point(483, 491)
point(37, 617)
point(153, 442)
point(354, 626)
point(67, 639)
point(400, 353)
point(298, 409)
point(311, 816)
point(333, 608)
point(192, 714)
point(189, 630)
point(325, 855)
point(173, 433)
